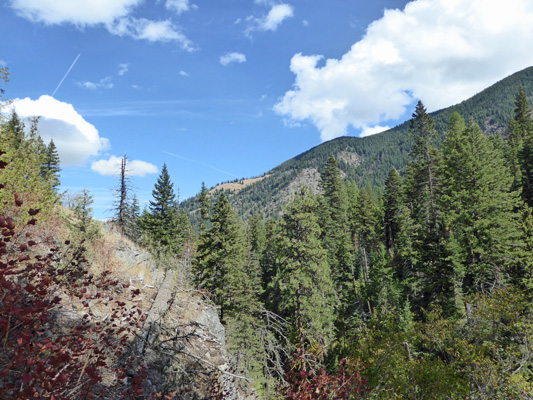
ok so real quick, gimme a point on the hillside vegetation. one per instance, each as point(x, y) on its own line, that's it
point(420, 287)
point(368, 160)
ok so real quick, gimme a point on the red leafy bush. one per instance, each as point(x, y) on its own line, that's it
point(53, 345)
point(308, 381)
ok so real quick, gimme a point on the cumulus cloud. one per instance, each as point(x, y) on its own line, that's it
point(112, 167)
point(180, 6)
point(229, 58)
point(104, 83)
point(183, 73)
point(75, 138)
point(439, 51)
point(122, 69)
point(114, 15)
point(272, 20)
point(80, 13)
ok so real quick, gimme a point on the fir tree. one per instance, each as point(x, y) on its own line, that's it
point(51, 164)
point(132, 217)
point(423, 169)
point(422, 188)
point(520, 140)
point(16, 127)
point(22, 174)
point(160, 222)
point(335, 228)
point(205, 208)
point(480, 206)
point(256, 248)
point(221, 256)
point(270, 265)
point(304, 282)
point(82, 224)
point(394, 201)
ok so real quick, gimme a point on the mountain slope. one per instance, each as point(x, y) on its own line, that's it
point(368, 160)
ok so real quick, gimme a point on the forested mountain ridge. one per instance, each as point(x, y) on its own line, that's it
point(368, 160)
point(422, 289)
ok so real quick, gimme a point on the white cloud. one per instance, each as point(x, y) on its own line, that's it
point(3, 63)
point(114, 15)
point(229, 58)
point(180, 6)
point(75, 138)
point(372, 130)
point(113, 164)
point(276, 16)
point(80, 13)
point(153, 31)
point(183, 73)
point(272, 20)
point(122, 69)
point(439, 51)
point(104, 83)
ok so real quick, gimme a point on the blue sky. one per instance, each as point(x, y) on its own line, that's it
point(229, 89)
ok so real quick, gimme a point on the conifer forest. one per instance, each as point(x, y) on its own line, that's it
point(415, 282)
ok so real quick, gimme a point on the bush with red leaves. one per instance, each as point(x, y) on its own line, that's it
point(307, 381)
point(52, 345)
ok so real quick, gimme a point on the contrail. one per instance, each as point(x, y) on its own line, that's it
point(201, 163)
point(72, 66)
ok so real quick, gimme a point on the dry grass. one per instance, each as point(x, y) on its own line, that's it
point(237, 186)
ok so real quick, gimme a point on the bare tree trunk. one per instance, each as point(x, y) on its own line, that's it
point(123, 193)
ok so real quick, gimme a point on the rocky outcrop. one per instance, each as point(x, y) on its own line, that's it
point(181, 340)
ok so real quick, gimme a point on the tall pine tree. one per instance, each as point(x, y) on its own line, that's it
point(161, 223)
point(51, 164)
point(394, 203)
point(422, 188)
point(335, 235)
point(307, 297)
point(480, 211)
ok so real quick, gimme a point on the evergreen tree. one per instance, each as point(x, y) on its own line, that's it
point(4, 78)
point(382, 292)
point(221, 256)
point(160, 223)
point(422, 188)
point(394, 201)
point(185, 237)
point(256, 248)
point(51, 164)
point(270, 265)
point(480, 217)
point(132, 217)
point(368, 221)
point(16, 127)
point(205, 208)
point(304, 282)
point(520, 140)
point(223, 267)
point(22, 174)
point(352, 192)
point(82, 224)
point(423, 169)
point(335, 228)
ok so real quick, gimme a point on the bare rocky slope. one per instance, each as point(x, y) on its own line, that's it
point(181, 340)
